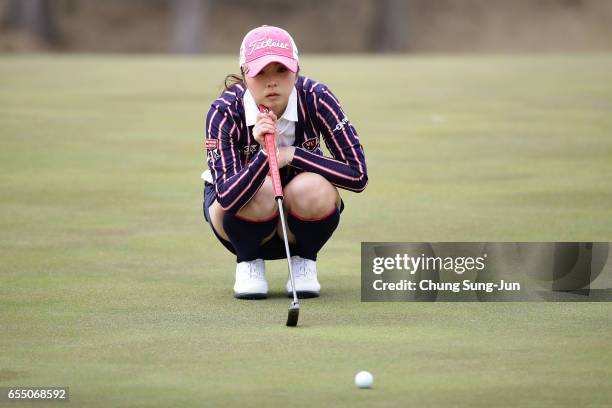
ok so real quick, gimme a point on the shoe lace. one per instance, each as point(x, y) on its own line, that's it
point(254, 272)
point(302, 269)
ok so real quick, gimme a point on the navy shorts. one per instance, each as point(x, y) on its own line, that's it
point(272, 249)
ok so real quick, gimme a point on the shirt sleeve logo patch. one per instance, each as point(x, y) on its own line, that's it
point(212, 144)
point(341, 125)
point(311, 144)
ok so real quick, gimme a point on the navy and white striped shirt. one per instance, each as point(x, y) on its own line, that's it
point(239, 167)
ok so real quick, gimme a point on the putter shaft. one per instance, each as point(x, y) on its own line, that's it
point(282, 217)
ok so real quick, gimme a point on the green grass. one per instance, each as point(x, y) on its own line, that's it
point(111, 283)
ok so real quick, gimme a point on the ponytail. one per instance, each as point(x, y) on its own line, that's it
point(233, 79)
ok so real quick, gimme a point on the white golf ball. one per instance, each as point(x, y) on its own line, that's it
point(364, 379)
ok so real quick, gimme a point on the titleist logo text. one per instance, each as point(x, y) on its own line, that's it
point(259, 44)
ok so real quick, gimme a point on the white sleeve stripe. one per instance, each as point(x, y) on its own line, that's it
point(332, 97)
point(232, 148)
point(212, 119)
point(220, 146)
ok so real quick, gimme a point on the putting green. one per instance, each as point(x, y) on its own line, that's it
point(112, 284)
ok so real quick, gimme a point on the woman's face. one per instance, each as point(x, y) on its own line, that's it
point(272, 86)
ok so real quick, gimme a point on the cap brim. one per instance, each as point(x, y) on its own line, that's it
point(259, 64)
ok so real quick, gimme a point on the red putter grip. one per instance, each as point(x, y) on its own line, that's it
point(272, 160)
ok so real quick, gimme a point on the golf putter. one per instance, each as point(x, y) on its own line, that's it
point(294, 309)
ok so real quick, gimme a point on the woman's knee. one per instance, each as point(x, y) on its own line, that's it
point(216, 219)
point(310, 195)
point(262, 206)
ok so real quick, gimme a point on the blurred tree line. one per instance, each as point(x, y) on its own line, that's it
point(199, 26)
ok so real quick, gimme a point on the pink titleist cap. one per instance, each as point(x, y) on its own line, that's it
point(267, 44)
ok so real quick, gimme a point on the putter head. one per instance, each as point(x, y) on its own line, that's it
point(294, 314)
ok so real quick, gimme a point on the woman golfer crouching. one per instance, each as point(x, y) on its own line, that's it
point(238, 195)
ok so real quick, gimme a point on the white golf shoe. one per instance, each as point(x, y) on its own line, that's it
point(251, 280)
point(305, 274)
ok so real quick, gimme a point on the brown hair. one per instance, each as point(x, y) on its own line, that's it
point(233, 79)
